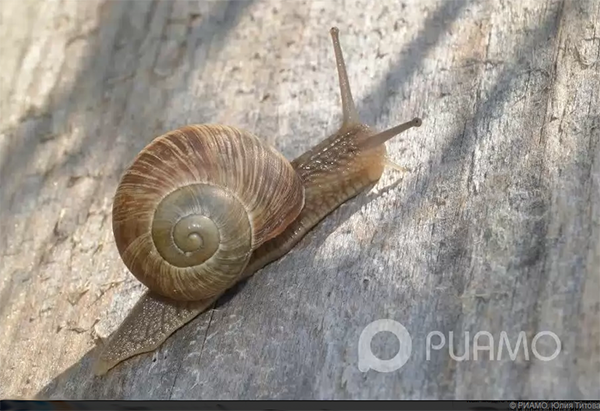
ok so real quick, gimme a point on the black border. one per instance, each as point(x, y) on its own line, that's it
point(299, 405)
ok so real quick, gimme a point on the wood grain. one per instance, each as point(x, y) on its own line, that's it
point(496, 228)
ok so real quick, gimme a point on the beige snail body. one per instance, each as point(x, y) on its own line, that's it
point(206, 206)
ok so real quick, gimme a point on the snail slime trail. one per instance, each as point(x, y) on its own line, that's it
point(206, 206)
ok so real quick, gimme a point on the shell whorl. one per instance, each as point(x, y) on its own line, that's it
point(194, 205)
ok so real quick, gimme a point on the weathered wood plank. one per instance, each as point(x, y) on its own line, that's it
point(495, 229)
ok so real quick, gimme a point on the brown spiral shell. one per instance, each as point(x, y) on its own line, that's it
point(194, 205)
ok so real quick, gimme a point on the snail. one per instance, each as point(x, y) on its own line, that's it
point(206, 206)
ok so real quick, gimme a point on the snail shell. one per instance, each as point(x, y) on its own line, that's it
point(194, 205)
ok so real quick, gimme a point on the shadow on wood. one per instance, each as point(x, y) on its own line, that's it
point(80, 378)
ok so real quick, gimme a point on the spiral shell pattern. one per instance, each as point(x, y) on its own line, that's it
point(194, 205)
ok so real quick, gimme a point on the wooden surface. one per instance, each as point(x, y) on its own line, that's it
point(495, 229)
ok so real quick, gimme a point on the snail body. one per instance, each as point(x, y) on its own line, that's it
point(206, 206)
